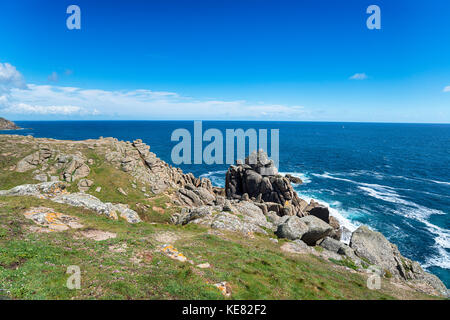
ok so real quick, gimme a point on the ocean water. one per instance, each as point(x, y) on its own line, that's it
point(393, 177)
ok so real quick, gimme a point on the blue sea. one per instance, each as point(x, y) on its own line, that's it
point(393, 177)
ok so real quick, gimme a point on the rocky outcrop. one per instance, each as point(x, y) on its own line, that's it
point(251, 213)
point(190, 214)
point(316, 209)
point(230, 222)
point(337, 231)
point(49, 220)
point(74, 167)
point(136, 159)
point(35, 159)
point(291, 227)
point(191, 195)
point(293, 179)
point(317, 230)
point(258, 179)
point(342, 249)
point(41, 190)
point(242, 217)
point(56, 191)
point(376, 249)
point(7, 125)
point(331, 244)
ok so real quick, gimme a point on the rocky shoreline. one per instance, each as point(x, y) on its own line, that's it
point(7, 125)
point(256, 199)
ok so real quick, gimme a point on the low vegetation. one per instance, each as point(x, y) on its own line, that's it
point(33, 265)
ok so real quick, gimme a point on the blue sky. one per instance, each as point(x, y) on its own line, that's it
point(226, 59)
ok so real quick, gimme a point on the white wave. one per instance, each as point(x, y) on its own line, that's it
point(383, 193)
point(327, 175)
point(211, 173)
point(442, 244)
point(424, 192)
point(409, 210)
point(357, 173)
point(422, 179)
point(217, 177)
point(375, 174)
point(305, 178)
point(420, 213)
point(440, 182)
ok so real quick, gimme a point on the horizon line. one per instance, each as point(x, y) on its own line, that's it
point(215, 120)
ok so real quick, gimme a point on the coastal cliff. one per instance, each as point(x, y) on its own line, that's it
point(7, 125)
point(148, 230)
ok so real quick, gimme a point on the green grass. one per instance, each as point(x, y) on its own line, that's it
point(318, 248)
point(10, 154)
point(346, 262)
point(33, 265)
point(258, 270)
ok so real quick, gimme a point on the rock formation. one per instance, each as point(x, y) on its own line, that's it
point(377, 250)
point(56, 191)
point(7, 125)
point(258, 179)
point(136, 159)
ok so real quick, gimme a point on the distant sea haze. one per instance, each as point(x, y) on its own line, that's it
point(393, 177)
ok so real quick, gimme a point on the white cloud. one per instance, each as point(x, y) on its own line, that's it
point(23, 108)
point(142, 104)
point(10, 77)
point(359, 76)
point(33, 99)
point(446, 89)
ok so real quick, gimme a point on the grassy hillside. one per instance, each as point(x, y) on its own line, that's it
point(33, 263)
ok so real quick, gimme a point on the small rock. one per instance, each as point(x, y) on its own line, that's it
point(54, 221)
point(98, 235)
point(122, 191)
point(84, 184)
point(273, 217)
point(204, 265)
point(224, 287)
point(292, 228)
point(331, 244)
point(118, 248)
point(317, 229)
point(172, 253)
point(41, 177)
